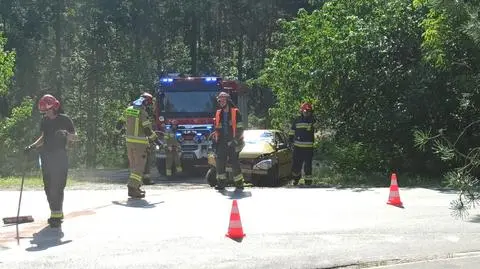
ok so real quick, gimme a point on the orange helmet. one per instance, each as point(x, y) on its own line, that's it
point(48, 102)
point(306, 107)
point(147, 97)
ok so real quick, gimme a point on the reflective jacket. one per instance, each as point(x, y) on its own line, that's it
point(171, 140)
point(302, 132)
point(138, 126)
point(235, 125)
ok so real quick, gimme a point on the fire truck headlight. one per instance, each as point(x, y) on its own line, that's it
point(198, 138)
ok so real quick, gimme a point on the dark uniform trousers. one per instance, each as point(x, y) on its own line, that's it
point(302, 157)
point(227, 153)
point(55, 171)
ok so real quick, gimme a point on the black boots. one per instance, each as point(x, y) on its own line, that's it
point(55, 222)
point(136, 192)
point(147, 181)
point(220, 185)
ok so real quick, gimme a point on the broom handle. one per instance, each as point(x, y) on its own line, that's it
point(20, 199)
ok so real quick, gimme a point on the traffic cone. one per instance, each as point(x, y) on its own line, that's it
point(235, 230)
point(394, 197)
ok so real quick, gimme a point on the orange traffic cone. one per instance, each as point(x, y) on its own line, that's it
point(394, 197)
point(235, 230)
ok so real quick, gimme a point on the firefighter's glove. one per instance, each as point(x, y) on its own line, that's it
point(61, 133)
point(28, 149)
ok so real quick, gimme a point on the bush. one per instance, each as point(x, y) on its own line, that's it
point(349, 156)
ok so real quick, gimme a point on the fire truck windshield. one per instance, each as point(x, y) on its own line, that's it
point(189, 103)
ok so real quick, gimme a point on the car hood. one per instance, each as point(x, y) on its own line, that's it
point(251, 151)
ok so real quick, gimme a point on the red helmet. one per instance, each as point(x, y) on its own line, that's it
point(147, 97)
point(306, 107)
point(48, 102)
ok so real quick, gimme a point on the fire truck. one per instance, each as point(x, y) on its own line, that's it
point(191, 101)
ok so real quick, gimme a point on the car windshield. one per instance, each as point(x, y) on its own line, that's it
point(258, 136)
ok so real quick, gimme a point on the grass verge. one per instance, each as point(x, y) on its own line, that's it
point(326, 176)
point(31, 183)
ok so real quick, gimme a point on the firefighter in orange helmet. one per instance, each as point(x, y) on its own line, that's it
point(173, 149)
point(229, 140)
point(57, 130)
point(138, 135)
point(302, 135)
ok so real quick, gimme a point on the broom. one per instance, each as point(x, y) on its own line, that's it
point(19, 219)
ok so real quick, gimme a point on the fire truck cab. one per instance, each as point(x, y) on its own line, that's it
point(191, 101)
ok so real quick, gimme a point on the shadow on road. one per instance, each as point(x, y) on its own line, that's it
point(475, 219)
point(120, 177)
point(47, 238)
point(137, 203)
point(235, 195)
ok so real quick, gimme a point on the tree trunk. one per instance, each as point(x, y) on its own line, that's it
point(57, 62)
point(240, 60)
point(193, 43)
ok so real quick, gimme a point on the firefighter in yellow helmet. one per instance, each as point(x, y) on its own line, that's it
point(120, 129)
point(173, 149)
point(229, 140)
point(138, 135)
point(147, 180)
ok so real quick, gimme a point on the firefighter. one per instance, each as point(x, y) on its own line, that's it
point(120, 129)
point(57, 130)
point(138, 135)
point(173, 150)
point(147, 180)
point(302, 136)
point(229, 141)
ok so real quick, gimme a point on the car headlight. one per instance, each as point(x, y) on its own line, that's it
point(264, 165)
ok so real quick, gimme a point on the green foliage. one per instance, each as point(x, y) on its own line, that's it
point(349, 156)
point(465, 176)
point(15, 134)
point(7, 63)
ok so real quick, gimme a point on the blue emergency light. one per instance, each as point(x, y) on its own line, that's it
point(210, 79)
point(166, 80)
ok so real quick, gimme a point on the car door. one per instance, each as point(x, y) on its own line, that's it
point(284, 155)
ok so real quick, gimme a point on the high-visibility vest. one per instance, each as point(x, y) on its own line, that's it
point(136, 119)
point(218, 124)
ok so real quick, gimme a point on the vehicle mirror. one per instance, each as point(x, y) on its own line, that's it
point(281, 145)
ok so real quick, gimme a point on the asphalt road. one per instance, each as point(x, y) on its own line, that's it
point(183, 225)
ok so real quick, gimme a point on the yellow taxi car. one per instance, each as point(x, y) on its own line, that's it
point(265, 160)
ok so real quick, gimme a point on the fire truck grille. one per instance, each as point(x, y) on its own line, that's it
point(189, 147)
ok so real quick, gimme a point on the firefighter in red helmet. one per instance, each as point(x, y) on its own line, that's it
point(302, 135)
point(57, 130)
point(229, 141)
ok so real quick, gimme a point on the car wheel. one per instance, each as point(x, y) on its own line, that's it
point(189, 168)
point(161, 166)
point(273, 179)
point(255, 180)
point(211, 177)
